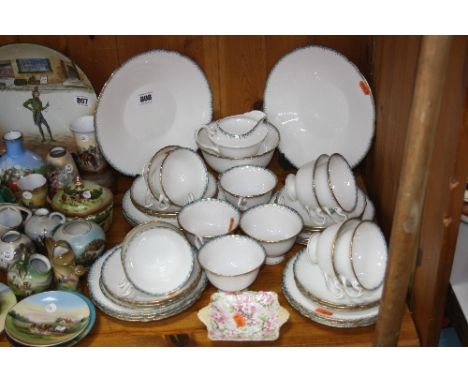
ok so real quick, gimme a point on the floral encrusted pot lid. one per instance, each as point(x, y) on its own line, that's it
point(82, 198)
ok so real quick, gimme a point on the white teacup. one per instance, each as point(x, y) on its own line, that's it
point(231, 262)
point(152, 175)
point(234, 137)
point(319, 249)
point(206, 219)
point(247, 186)
point(335, 185)
point(184, 177)
point(275, 227)
point(360, 205)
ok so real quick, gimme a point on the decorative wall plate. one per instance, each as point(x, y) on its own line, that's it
point(155, 99)
point(42, 90)
point(320, 103)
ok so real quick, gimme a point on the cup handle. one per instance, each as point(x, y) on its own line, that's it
point(354, 291)
point(190, 198)
point(199, 242)
point(148, 199)
point(333, 285)
point(341, 214)
point(317, 212)
point(241, 203)
point(211, 133)
point(280, 200)
point(26, 211)
point(163, 203)
point(60, 215)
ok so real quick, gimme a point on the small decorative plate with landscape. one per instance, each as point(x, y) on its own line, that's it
point(47, 319)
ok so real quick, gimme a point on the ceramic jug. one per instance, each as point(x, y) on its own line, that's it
point(30, 273)
point(67, 273)
point(10, 242)
point(42, 225)
point(86, 238)
point(17, 161)
point(11, 217)
point(61, 169)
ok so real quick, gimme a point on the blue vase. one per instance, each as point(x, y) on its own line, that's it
point(17, 161)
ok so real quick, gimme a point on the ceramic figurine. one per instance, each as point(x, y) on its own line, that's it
point(67, 273)
point(87, 200)
point(61, 169)
point(42, 225)
point(10, 242)
point(86, 238)
point(17, 161)
point(30, 273)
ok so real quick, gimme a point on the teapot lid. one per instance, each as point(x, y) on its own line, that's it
point(81, 198)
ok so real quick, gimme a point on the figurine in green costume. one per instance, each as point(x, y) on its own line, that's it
point(35, 105)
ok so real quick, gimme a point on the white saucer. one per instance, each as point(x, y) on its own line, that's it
point(320, 103)
point(155, 99)
point(321, 314)
point(135, 313)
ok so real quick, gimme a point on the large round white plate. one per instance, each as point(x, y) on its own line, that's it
point(61, 84)
point(320, 103)
point(319, 313)
point(155, 99)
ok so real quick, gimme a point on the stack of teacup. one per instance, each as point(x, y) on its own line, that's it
point(324, 192)
point(174, 177)
point(337, 279)
point(243, 139)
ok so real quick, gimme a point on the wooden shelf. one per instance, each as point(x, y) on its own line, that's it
point(186, 330)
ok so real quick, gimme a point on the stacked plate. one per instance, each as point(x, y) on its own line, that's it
point(314, 301)
point(153, 275)
point(54, 318)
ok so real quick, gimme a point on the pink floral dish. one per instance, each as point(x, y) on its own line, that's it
point(246, 316)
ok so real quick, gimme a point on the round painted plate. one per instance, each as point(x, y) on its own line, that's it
point(61, 84)
point(48, 318)
point(7, 301)
point(83, 334)
point(320, 103)
point(155, 99)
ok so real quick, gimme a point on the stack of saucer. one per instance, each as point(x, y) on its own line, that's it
point(153, 275)
point(337, 280)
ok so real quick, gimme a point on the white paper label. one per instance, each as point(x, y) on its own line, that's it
point(27, 195)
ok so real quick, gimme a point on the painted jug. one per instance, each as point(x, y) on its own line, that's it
point(29, 274)
point(17, 161)
point(86, 238)
point(42, 225)
point(11, 246)
point(67, 273)
point(61, 169)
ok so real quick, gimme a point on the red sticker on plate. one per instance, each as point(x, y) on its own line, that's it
point(324, 311)
point(365, 89)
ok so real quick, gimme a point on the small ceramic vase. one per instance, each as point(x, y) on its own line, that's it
point(61, 169)
point(90, 158)
point(29, 274)
point(33, 189)
point(11, 243)
point(67, 273)
point(42, 225)
point(86, 238)
point(11, 217)
point(86, 200)
point(17, 161)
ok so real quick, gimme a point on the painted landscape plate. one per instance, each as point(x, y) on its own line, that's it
point(48, 319)
point(7, 301)
point(320, 103)
point(60, 83)
point(155, 99)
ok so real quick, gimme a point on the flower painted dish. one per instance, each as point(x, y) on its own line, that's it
point(155, 99)
point(47, 319)
point(319, 313)
point(320, 103)
point(245, 316)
